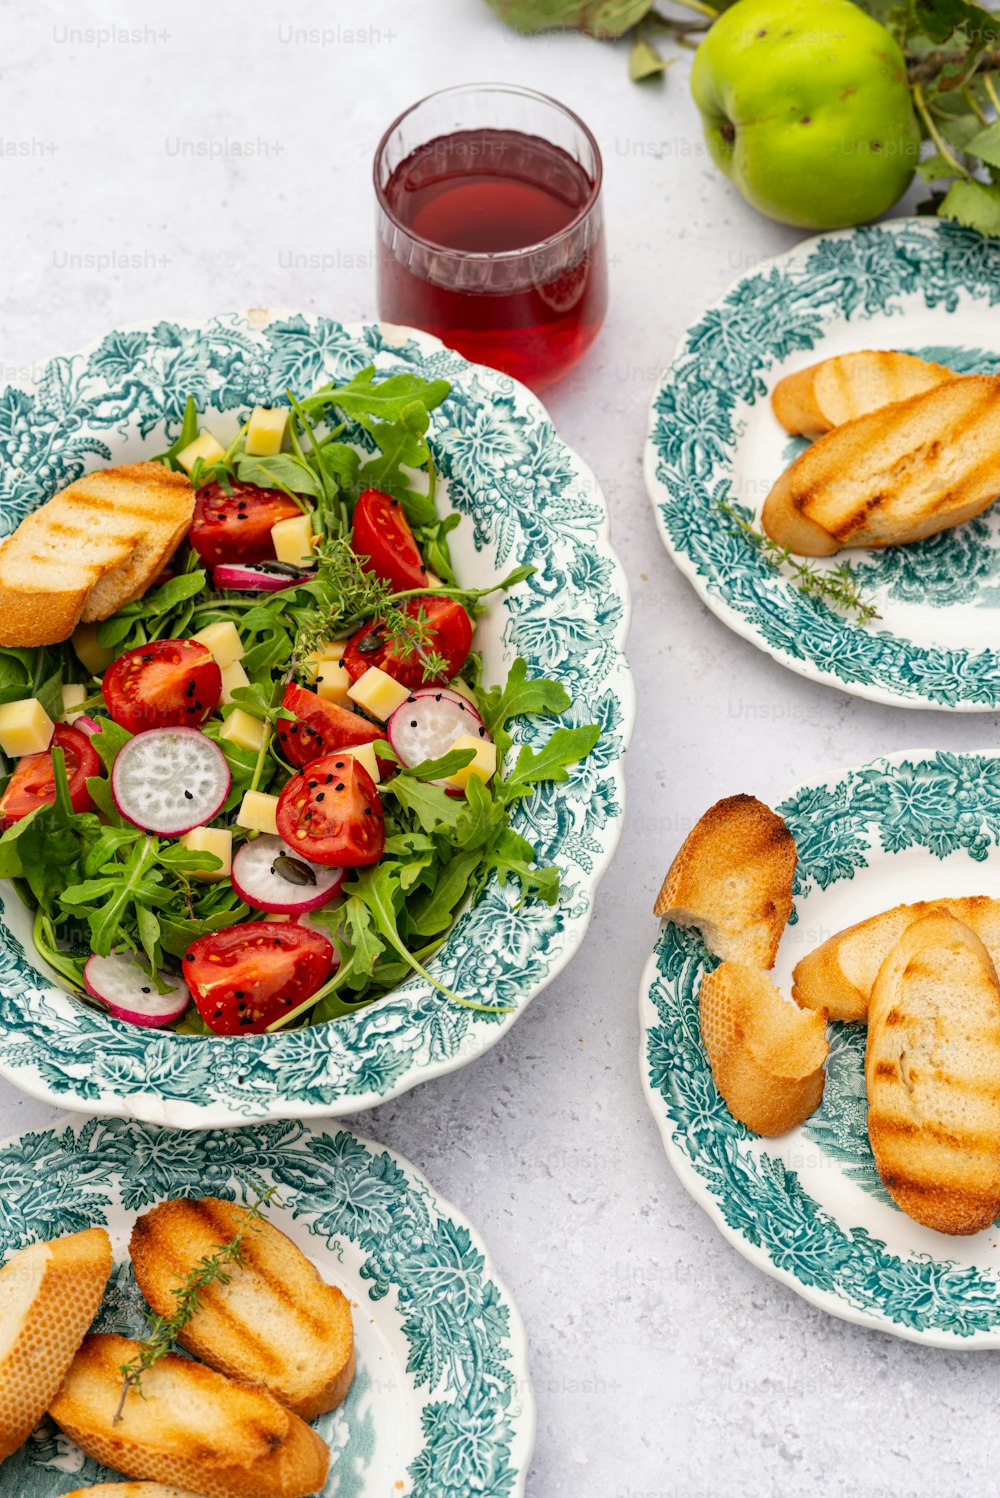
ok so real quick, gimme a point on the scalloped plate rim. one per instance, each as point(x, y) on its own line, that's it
point(692, 1183)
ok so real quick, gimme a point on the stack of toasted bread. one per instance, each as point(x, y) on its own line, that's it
point(924, 979)
point(275, 1342)
point(903, 449)
point(90, 550)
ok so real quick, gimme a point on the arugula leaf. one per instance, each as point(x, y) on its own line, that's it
point(433, 912)
point(188, 432)
point(430, 805)
point(389, 401)
point(105, 900)
point(111, 739)
point(10, 858)
point(284, 471)
point(511, 857)
point(566, 747)
point(54, 848)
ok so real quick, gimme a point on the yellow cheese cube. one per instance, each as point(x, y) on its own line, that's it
point(265, 432)
point(378, 693)
point(95, 657)
point(233, 676)
point(205, 446)
point(243, 730)
point(333, 681)
point(258, 812)
point(365, 755)
point(331, 650)
point(484, 764)
point(74, 695)
point(25, 727)
point(464, 690)
point(217, 840)
point(223, 639)
point(293, 540)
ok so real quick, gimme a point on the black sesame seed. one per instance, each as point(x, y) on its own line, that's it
point(328, 779)
point(188, 795)
point(368, 811)
point(320, 795)
point(240, 993)
point(339, 786)
point(413, 722)
point(147, 657)
point(144, 989)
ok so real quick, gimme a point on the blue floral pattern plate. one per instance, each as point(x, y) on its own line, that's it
point(441, 1405)
point(524, 498)
point(920, 285)
point(808, 1208)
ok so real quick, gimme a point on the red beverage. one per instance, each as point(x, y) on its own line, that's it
point(492, 239)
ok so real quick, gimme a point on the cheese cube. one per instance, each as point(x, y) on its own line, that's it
point(265, 432)
point(330, 650)
point(378, 693)
point(217, 840)
point(95, 657)
point(258, 812)
point(243, 730)
point(333, 681)
point(223, 639)
point(365, 755)
point(233, 676)
point(433, 581)
point(25, 727)
point(293, 540)
point(205, 446)
point(484, 764)
point(74, 695)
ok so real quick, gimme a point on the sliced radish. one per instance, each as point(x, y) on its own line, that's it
point(452, 696)
point(259, 577)
point(170, 780)
point(429, 722)
point(269, 876)
point(130, 993)
point(86, 725)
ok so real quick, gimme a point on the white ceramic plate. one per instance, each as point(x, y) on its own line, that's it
point(808, 1208)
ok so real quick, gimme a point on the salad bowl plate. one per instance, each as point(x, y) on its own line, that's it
point(808, 1207)
point(523, 498)
point(441, 1405)
point(922, 286)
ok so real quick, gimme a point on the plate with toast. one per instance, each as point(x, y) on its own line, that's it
point(821, 1039)
point(824, 455)
point(270, 1313)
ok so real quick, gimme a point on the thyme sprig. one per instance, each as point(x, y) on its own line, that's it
point(836, 586)
point(213, 1269)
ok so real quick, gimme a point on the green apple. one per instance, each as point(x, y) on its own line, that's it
point(806, 108)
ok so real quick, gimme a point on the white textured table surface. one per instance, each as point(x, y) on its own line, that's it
point(665, 1366)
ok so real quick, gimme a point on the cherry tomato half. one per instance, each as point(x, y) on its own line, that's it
point(331, 813)
point(322, 727)
point(450, 635)
point(245, 977)
point(383, 540)
point(33, 782)
point(165, 684)
point(236, 527)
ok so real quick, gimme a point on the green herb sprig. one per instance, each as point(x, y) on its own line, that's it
point(835, 586)
point(213, 1269)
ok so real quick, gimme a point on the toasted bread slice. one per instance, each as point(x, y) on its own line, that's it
point(766, 1055)
point(839, 975)
point(49, 1295)
point(131, 1490)
point(276, 1323)
point(190, 1427)
point(732, 878)
point(932, 1072)
point(899, 474)
point(92, 548)
point(825, 395)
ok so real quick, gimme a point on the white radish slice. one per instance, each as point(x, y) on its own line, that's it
point(429, 722)
point(268, 875)
point(170, 780)
point(130, 993)
point(86, 725)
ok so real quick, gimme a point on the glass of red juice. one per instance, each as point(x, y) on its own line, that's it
point(490, 228)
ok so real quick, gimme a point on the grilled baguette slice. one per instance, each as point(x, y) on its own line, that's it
point(49, 1295)
point(276, 1324)
point(932, 1072)
point(825, 395)
point(92, 548)
point(190, 1427)
point(839, 975)
point(766, 1055)
point(131, 1490)
point(899, 474)
point(732, 878)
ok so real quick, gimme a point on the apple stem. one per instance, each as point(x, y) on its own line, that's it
point(935, 134)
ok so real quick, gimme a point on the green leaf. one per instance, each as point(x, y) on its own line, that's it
point(368, 403)
point(644, 61)
point(10, 858)
point(513, 858)
point(959, 130)
point(986, 144)
point(430, 805)
point(441, 768)
point(520, 697)
point(974, 205)
point(432, 912)
point(186, 435)
point(936, 167)
point(600, 18)
point(939, 19)
point(111, 739)
point(49, 694)
point(284, 471)
point(566, 747)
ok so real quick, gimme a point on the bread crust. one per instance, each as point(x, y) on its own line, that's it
point(839, 975)
point(826, 394)
point(732, 878)
point(49, 1295)
point(131, 1490)
point(932, 1073)
point(766, 1063)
